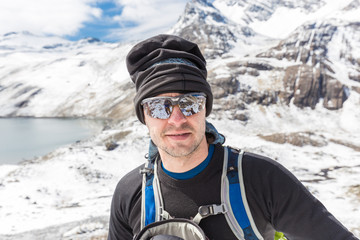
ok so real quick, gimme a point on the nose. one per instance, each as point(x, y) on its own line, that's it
point(176, 117)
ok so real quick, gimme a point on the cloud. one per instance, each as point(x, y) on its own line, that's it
point(144, 18)
point(56, 17)
point(109, 20)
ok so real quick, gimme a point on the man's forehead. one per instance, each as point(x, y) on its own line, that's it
point(171, 94)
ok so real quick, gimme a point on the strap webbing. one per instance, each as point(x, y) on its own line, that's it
point(150, 211)
point(236, 197)
point(236, 202)
point(152, 202)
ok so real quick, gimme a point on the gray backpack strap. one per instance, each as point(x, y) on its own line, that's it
point(159, 202)
point(233, 196)
point(152, 205)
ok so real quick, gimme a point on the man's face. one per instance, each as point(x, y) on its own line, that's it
point(177, 136)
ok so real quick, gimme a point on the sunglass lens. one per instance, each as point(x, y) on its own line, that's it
point(159, 108)
point(190, 105)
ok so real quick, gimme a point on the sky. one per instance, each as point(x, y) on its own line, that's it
point(107, 20)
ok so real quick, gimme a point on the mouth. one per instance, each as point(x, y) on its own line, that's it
point(178, 136)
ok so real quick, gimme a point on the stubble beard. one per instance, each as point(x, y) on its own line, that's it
point(180, 150)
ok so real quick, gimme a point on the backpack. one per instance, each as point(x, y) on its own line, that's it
point(234, 203)
point(171, 229)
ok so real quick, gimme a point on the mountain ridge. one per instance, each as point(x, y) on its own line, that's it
point(298, 69)
point(305, 83)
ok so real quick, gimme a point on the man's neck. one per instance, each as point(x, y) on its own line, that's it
point(185, 163)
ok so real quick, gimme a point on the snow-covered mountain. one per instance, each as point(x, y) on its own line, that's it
point(316, 61)
point(286, 80)
point(52, 77)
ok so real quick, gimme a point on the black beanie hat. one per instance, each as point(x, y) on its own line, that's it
point(164, 64)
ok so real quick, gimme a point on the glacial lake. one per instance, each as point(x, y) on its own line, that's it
point(24, 138)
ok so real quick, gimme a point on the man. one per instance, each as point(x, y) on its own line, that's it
point(173, 99)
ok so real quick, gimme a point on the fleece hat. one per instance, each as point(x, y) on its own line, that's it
point(164, 64)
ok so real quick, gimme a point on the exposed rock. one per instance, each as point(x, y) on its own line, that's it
point(352, 5)
point(259, 66)
point(224, 86)
point(297, 139)
point(347, 144)
point(310, 80)
point(241, 116)
point(356, 89)
point(212, 40)
point(214, 33)
point(92, 175)
point(120, 135)
point(354, 191)
point(301, 83)
point(264, 98)
point(355, 77)
point(334, 95)
point(232, 104)
point(22, 104)
point(253, 65)
point(308, 44)
point(111, 145)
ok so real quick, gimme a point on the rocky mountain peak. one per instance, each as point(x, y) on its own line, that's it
point(313, 75)
point(355, 4)
point(308, 61)
point(205, 25)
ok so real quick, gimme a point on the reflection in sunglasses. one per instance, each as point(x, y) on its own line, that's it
point(162, 107)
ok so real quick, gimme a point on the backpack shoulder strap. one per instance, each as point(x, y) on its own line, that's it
point(233, 196)
point(152, 205)
point(148, 209)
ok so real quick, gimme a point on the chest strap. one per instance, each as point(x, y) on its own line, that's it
point(209, 210)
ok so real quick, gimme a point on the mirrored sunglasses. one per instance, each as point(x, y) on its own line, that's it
point(162, 107)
